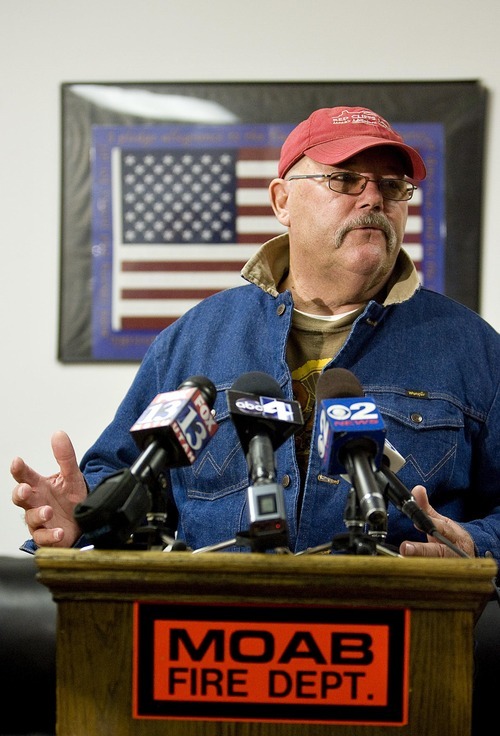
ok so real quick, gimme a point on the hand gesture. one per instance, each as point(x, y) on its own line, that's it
point(49, 502)
point(445, 526)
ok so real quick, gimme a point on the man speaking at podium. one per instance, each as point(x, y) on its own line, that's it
point(336, 291)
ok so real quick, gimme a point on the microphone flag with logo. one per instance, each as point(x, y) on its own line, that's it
point(179, 423)
point(256, 404)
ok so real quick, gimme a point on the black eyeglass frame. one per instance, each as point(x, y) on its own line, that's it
point(410, 188)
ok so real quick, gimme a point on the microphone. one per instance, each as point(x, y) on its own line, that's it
point(402, 499)
point(175, 427)
point(341, 419)
point(351, 439)
point(171, 432)
point(263, 420)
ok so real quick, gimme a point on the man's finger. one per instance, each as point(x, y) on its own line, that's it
point(64, 453)
point(423, 549)
point(22, 473)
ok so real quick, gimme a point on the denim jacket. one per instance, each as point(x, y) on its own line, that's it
point(431, 364)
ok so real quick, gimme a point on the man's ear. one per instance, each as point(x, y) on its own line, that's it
point(278, 194)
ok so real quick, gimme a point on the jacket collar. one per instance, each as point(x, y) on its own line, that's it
point(267, 267)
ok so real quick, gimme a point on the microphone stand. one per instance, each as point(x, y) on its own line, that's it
point(356, 540)
point(155, 534)
point(129, 497)
point(255, 538)
point(248, 539)
point(268, 526)
point(266, 531)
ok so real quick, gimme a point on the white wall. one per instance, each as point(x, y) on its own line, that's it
point(46, 42)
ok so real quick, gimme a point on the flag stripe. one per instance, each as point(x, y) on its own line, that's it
point(254, 211)
point(258, 196)
point(153, 324)
point(196, 266)
point(159, 307)
point(167, 293)
point(256, 238)
point(179, 280)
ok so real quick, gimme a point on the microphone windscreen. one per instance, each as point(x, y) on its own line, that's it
point(338, 383)
point(259, 383)
point(204, 385)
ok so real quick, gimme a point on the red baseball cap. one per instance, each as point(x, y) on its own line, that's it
point(333, 134)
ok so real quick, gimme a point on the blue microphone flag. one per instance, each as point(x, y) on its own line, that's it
point(344, 422)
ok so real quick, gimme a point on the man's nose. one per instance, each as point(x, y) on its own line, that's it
point(371, 196)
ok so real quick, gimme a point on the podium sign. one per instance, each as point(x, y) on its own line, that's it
point(251, 644)
point(289, 664)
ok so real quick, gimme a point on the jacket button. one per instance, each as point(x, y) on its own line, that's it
point(417, 418)
point(286, 481)
point(280, 310)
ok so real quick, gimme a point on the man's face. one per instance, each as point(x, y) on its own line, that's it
point(330, 231)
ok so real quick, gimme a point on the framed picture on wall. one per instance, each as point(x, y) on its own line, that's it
point(164, 194)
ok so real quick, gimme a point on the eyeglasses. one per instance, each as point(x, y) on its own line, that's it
point(347, 182)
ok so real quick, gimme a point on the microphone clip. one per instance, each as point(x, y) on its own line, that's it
point(268, 526)
point(363, 537)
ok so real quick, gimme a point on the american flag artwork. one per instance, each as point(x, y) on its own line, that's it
point(186, 222)
point(178, 209)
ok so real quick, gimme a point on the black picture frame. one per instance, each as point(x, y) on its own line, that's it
point(459, 108)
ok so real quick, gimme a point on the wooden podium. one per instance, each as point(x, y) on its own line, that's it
point(113, 606)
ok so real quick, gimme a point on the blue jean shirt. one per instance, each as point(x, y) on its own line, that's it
point(431, 364)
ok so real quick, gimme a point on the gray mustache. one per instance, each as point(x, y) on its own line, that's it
point(373, 220)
